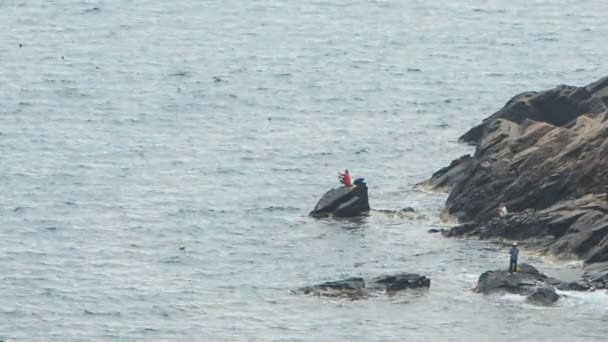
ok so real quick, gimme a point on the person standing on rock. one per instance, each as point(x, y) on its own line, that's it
point(345, 178)
point(514, 253)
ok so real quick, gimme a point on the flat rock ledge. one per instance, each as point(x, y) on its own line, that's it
point(358, 288)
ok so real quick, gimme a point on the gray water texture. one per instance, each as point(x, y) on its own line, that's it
point(158, 160)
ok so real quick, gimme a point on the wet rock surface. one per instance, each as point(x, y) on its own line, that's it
point(521, 282)
point(543, 295)
point(343, 202)
point(358, 288)
point(528, 281)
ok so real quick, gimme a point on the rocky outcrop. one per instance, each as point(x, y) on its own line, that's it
point(343, 202)
point(521, 282)
point(451, 174)
point(357, 288)
point(545, 155)
point(527, 281)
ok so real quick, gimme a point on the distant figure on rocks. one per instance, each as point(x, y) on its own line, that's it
point(345, 178)
point(502, 210)
point(514, 253)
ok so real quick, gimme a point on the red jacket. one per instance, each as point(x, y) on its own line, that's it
point(346, 179)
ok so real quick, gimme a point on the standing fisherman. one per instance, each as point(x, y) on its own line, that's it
point(514, 253)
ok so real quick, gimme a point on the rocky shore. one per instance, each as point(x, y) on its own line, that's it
point(545, 156)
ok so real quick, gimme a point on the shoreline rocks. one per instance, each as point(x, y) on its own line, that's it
point(358, 288)
point(545, 155)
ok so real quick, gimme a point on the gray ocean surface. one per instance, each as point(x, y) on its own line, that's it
point(158, 160)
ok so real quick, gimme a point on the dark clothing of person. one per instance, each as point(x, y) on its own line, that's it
point(514, 252)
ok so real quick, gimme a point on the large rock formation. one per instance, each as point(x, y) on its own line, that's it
point(358, 288)
point(545, 155)
point(343, 202)
point(528, 281)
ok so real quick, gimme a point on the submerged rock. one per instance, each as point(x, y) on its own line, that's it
point(343, 202)
point(357, 288)
point(545, 155)
point(543, 295)
point(353, 288)
point(404, 213)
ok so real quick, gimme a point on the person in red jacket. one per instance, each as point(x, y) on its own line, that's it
point(345, 178)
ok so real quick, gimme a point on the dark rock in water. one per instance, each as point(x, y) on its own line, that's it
point(435, 230)
point(343, 202)
point(353, 288)
point(527, 281)
point(545, 155)
point(398, 282)
point(530, 282)
point(518, 282)
point(358, 288)
point(579, 285)
point(543, 295)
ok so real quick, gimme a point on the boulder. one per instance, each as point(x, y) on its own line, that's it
point(357, 288)
point(543, 295)
point(501, 280)
point(527, 281)
point(545, 155)
point(343, 202)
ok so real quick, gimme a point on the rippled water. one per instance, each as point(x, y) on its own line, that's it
point(158, 160)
